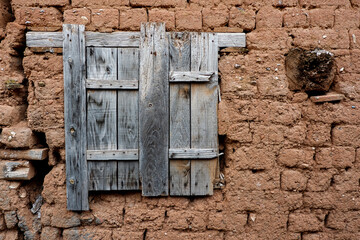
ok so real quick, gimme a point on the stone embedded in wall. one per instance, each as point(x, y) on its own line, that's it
point(10, 114)
point(19, 136)
point(312, 70)
point(11, 219)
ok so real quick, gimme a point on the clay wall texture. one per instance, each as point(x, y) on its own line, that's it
point(292, 167)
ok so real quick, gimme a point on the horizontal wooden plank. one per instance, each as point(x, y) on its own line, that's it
point(32, 154)
point(112, 84)
point(117, 39)
point(329, 97)
point(18, 170)
point(44, 39)
point(123, 154)
point(191, 76)
point(231, 40)
point(193, 153)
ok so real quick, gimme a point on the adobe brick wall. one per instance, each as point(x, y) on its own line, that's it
point(292, 167)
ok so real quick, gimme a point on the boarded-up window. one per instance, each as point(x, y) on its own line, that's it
point(141, 112)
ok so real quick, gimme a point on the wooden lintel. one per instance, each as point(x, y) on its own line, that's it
point(191, 76)
point(111, 155)
point(17, 170)
point(117, 39)
point(45, 50)
point(191, 153)
point(329, 97)
point(32, 154)
point(112, 84)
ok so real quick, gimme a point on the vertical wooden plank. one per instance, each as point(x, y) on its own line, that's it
point(154, 109)
point(128, 118)
point(101, 117)
point(101, 63)
point(75, 109)
point(179, 47)
point(204, 57)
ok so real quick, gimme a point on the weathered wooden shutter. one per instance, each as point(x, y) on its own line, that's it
point(193, 113)
point(101, 96)
point(140, 111)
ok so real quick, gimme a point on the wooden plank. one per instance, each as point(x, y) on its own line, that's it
point(101, 117)
point(328, 97)
point(101, 63)
point(154, 109)
point(112, 84)
point(179, 45)
point(32, 154)
point(116, 39)
point(18, 170)
point(120, 154)
point(176, 76)
point(128, 175)
point(93, 39)
point(231, 40)
point(44, 39)
point(204, 57)
point(128, 118)
point(102, 175)
point(192, 153)
point(75, 117)
point(101, 120)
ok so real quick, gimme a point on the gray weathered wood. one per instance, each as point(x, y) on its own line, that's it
point(179, 45)
point(231, 40)
point(101, 117)
point(17, 170)
point(101, 120)
point(75, 117)
point(32, 154)
point(128, 118)
point(95, 39)
point(120, 155)
point(192, 153)
point(154, 109)
point(44, 39)
point(204, 97)
point(102, 175)
point(101, 63)
point(176, 76)
point(112, 84)
point(116, 39)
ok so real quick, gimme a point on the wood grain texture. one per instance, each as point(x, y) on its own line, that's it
point(101, 117)
point(31, 154)
point(102, 175)
point(128, 118)
point(101, 63)
point(231, 40)
point(176, 76)
point(118, 39)
point(192, 153)
point(112, 84)
point(154, 109)
point(120, 155)
point(204, 97)
point(75, 117)
point(44, 39)
point(17, 170)
point(179, 46)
